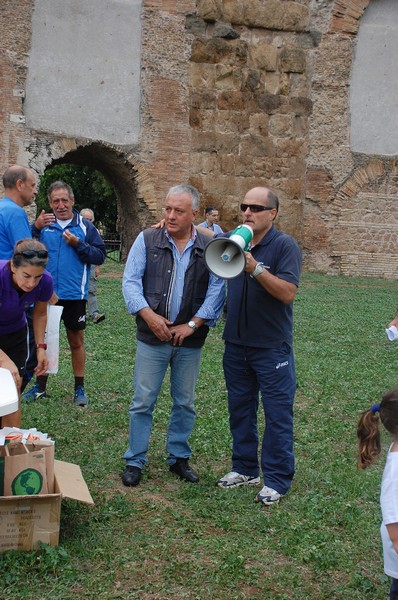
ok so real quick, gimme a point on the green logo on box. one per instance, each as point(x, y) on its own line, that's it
point(27, 482)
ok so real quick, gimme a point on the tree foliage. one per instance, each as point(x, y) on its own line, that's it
point(90, 188)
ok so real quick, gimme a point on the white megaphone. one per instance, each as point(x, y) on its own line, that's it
point(8, 393)
point(225, 257)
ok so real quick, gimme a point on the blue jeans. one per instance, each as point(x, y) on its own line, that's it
point(270, 372)
point(151, 365)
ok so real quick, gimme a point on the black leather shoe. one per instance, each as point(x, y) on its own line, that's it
point(182, 468)
point(131, 476)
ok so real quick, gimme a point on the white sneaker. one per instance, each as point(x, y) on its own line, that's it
point(268, 496)
point(234, 479)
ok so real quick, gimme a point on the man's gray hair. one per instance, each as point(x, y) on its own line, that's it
point(84, 210)
point(184, 188)
point(60, 185)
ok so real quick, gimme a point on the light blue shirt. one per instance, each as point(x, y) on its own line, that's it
point(216, 228)
point(133, 291)
point(14, 226)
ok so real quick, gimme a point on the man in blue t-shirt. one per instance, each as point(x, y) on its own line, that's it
point(20, 189)
point(211, 220)
point(258, 355)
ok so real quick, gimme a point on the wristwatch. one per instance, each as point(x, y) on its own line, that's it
point(44, 346)
point(258, 270)
point(192, 325)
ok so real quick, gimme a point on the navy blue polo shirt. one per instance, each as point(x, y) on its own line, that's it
point(254, 317)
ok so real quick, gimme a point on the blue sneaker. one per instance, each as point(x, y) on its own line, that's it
point(80, 397)
point(35, 393)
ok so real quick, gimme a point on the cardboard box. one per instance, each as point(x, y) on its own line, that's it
point(27, 520)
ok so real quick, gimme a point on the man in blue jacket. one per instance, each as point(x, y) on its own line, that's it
point(73, 245)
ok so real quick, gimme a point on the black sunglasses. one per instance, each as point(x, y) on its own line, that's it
point(255, 207)
point(32, 253)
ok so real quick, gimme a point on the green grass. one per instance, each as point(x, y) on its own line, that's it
point(167, 539)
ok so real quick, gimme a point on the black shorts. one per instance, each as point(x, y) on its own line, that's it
point(74, 314)
point(15, 345)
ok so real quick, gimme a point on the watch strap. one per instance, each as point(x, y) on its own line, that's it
point(259, 268)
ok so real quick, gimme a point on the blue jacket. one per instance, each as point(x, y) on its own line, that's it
point(70, 267)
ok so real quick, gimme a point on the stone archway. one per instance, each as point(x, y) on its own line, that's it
point(124, 173)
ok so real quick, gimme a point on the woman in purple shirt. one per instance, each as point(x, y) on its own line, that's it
point(23, 282)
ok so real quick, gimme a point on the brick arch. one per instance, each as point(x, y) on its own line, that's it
point(337, 176)
point(346, 15)
point(135, 196)
point(364, 236)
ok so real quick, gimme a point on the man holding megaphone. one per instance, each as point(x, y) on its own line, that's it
point(258, 357)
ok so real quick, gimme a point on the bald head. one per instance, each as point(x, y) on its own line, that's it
point(264, 196)
point(20, 185)
point(12, 174)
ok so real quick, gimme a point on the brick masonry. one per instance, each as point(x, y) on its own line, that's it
point(234, 93)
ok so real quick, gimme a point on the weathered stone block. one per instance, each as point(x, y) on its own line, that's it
point(225, 31)
point(300, 126)
point(233, 11)
point(259, 124)
point(229, 121)
point(228, 78)
point(201, 75)
point(280, 125)
point(203, 99)
point(301, 106)
point(253, 80)
point(287, 147)
point(195, 25)
point(263, 56)
point(272, 83)
point(299, 84)
point(231, 100)
point(217, 50)
point(252, 145)
point(202, 119)
point(293, 60)
point(203, 162)
point(297, 167)
point(284, 84)
point(227, 143)
point(208, 10)
point(204, 141)
point(276, 14)
point(228, 164)
point(268, 102)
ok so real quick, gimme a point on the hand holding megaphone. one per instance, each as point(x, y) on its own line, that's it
point(225, 257)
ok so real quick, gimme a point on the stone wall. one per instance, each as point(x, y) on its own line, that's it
point(234, 93)
point(250, 103)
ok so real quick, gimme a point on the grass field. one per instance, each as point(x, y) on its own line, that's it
point(167, 539)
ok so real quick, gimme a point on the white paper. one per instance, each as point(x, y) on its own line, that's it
point(392, 333)
point(51, 337)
